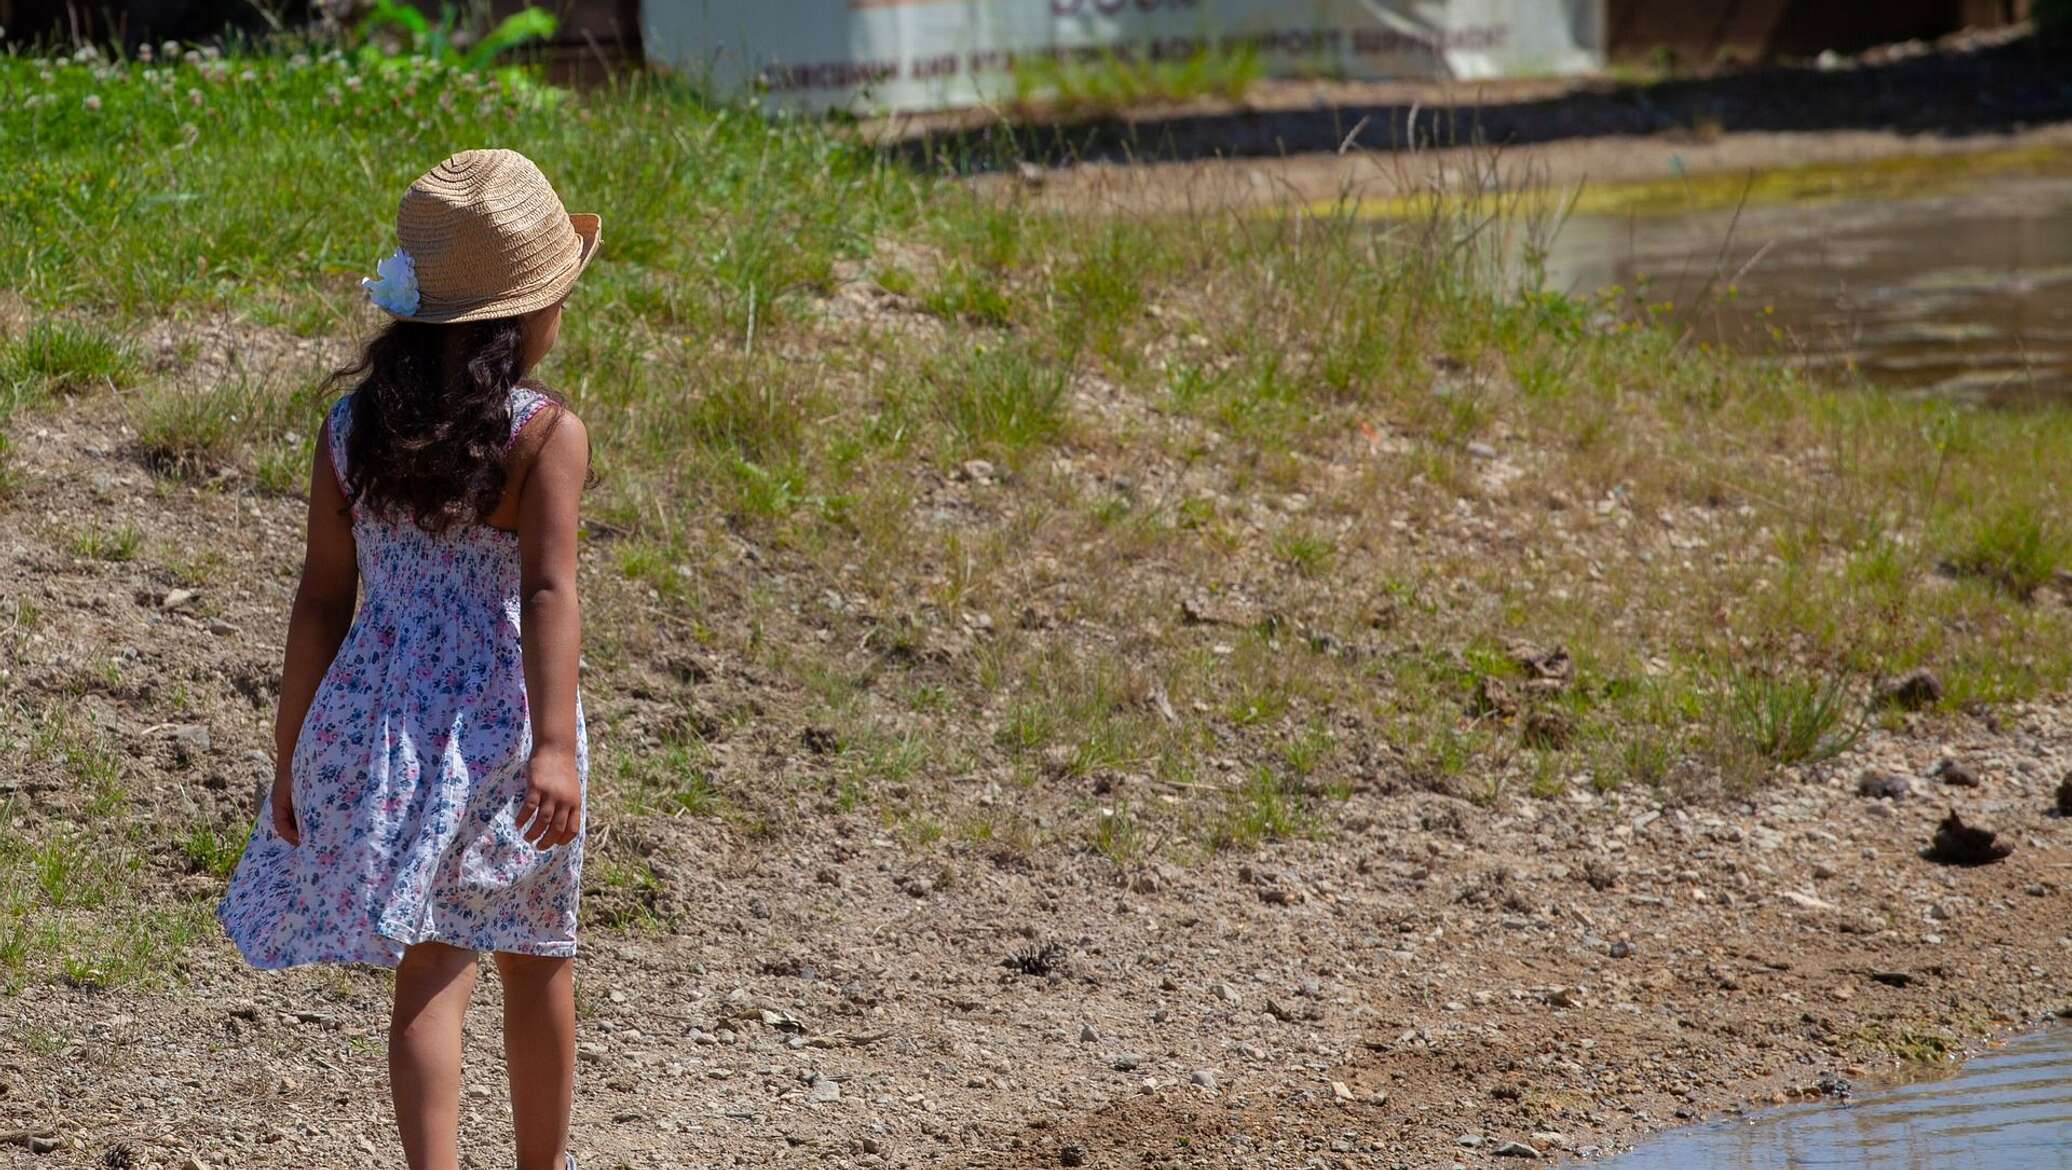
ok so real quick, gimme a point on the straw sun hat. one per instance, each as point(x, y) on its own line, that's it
point(483, 235)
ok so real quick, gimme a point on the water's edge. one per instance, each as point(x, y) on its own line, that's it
point(2008, 1107)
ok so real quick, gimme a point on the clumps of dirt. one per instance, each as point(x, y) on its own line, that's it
point(1038, 960)
point(1957, 843)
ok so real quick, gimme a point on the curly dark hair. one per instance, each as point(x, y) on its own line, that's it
point(431, 416)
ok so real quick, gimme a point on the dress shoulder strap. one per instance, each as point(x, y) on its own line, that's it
point(526, 405)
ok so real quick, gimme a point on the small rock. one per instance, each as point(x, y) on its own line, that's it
point(1481, 450)
point(1954, 774)
point(40, 1144)
point(1515, 1149)
point(1912, 691)
point(1622, 950)
point(1882, 785)
point(221, 628)
point(2065, 796)
point(1957, 843)
point(190, 740)
point(1546, 669)
point(1087, 1035)
point(1226, 993)
point(177, 598)
point(1072, 1155)
point(1470, 1141)
point(1341, 1090)
point(1548, 729)
point(826, 1091)
point(1492, 699)
point(977, 470)
point(1204, 1078)
point(1127, 1061)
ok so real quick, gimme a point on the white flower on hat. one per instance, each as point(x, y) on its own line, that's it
point(395, 286)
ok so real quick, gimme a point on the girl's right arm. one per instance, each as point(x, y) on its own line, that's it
point(317, 625)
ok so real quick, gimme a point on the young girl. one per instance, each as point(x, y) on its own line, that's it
point(427, 799)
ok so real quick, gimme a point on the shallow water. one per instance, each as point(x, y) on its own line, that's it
point(2009, 1109)
point(1965, 295)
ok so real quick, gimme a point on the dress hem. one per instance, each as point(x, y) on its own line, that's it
point(348, 958)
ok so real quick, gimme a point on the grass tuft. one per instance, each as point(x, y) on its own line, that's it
point(62, 357)
point(1794, 719)
point(2018, 548)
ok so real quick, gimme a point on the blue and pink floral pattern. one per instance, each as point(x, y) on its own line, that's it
point(411, 765)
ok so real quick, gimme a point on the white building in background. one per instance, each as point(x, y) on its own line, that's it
point(878, 56)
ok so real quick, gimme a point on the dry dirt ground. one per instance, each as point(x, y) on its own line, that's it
point(1422, 981)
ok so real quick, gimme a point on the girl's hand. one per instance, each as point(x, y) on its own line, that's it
point(553, 808)
point(284, 807)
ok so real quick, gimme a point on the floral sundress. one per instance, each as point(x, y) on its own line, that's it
point(411, 766)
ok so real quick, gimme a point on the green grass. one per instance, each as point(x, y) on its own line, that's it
point(1108, 83)
point(62, 357)
point(267, 420)
point(2017, 547)
point(209, 849)
point(98, 543)
point(1794, 720)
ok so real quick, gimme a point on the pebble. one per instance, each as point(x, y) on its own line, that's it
point(1515, 1149)
point(1204, 1078)
point(1954, 774)
point(1072, 1155)
point(1226, 993)
point(826, 1091)
point(1087, 1035)
point(1127, 1061)
point(177, 598)
point(1883, 785)
point(1913, 691)
point(190, 739)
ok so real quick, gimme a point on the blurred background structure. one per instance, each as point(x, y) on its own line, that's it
point(929, 53)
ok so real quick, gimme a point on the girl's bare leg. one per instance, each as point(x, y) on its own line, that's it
point(433, 984)
point(540, 1049)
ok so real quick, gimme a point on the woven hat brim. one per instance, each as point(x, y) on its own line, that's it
point(589, 229)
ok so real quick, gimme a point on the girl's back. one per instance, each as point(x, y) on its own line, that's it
point(411, 762)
